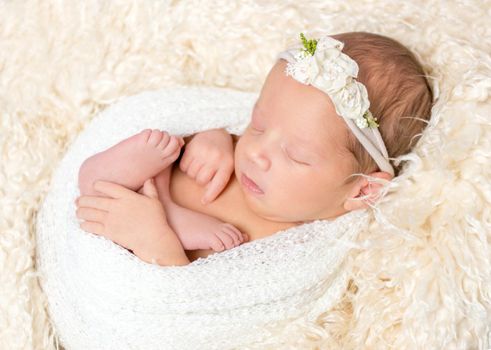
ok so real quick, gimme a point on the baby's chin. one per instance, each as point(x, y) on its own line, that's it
point(255, 204)
point(259, 206)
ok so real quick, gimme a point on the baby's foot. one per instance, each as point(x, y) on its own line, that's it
point(131, 161)
point(148, 152)
point(200, 231)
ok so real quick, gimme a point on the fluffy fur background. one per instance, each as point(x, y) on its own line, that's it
point(423, 281)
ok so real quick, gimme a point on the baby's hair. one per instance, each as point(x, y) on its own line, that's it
point(399, 94)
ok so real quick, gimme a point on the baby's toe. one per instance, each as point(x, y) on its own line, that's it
point(227, 237)
point(164, 141)
point(235, 233)
point(217, 245)
point(155, 137)
point(172, 146)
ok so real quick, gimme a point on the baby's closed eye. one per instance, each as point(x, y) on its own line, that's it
point(297, 159)
point(256, 129)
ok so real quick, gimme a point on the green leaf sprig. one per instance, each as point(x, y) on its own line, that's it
point(310, 45)
point(371, 120)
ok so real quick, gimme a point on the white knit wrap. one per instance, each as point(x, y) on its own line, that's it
point(103, 297)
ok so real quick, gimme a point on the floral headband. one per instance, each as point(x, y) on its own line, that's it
point(321, 63)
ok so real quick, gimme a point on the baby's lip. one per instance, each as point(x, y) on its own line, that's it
point(250, 184)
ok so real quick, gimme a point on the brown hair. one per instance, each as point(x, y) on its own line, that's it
point(397, 90)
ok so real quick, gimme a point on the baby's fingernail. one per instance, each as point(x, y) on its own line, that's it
point(203, 200)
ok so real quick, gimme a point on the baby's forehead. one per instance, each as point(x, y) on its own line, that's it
point(311, 105)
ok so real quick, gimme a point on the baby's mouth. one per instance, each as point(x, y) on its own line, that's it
point(250, 185)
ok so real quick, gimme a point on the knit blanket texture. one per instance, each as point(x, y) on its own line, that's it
point(420, 277)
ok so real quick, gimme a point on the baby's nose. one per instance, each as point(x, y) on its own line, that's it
point(261, 160)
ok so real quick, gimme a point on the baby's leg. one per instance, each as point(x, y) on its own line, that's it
point(196, 230)
point(131, 161)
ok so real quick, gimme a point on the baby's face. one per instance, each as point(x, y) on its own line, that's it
point(293, 150)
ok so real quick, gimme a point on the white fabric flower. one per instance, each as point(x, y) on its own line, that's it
point(336, 67)
point(351, 101)
point(335, 74)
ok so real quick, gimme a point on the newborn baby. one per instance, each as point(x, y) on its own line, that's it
point(313, 141)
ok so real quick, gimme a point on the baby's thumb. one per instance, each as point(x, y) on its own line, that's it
point(149, 189)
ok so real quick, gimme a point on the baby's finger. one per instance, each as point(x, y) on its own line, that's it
point(91, 214)
point(112, 189)
point(102, 203)
point(216, 185)
point(185, 161)
point(194, 168)
point(93, 227)
point(205, 175)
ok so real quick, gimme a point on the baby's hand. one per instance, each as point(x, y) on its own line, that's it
point(130, 219)
point(209, 158)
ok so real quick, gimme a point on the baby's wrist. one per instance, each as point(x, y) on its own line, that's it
point(165, 249)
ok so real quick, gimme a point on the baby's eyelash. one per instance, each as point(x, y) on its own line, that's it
point(295, 160)
point(287, 154)
point(300, 162)
point(257, 130)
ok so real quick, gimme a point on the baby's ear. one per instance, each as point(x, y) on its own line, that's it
point(363, 188)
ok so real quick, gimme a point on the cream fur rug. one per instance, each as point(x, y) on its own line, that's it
point(424, 282)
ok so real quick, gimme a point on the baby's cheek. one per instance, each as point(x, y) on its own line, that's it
point(305, 189)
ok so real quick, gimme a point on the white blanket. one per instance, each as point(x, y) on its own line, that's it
point(103, 297)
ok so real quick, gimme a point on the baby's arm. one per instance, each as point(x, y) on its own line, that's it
point(131, 161)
